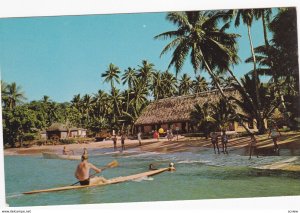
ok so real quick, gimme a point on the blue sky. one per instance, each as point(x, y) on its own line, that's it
point(65, 55)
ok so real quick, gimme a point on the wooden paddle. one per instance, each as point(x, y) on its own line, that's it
point(110, 165)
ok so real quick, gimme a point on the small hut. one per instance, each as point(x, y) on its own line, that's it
point(77, 132)
point(57, 131)
point(61, 131)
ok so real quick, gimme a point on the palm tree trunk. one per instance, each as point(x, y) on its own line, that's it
point(260, 122)
point(254, 67)
point(265, 29)
point(214, 77)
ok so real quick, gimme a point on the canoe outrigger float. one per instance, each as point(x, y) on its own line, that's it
point(109, 181)
point(50, 155)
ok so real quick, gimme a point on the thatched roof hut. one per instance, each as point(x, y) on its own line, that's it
point(59, 130)
point(178, 109)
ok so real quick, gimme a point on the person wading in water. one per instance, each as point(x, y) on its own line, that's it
point(115, 142)
point(224, 140)
point(252, 147)
point(214, 141)
point(275, 134)
point(123, 137)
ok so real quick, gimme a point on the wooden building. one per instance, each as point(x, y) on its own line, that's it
point(61, 131)
point(174, 113)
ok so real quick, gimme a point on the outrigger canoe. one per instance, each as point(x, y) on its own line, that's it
point(50, 155)
point(109, 181)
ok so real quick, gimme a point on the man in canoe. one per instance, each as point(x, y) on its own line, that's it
point(67, 152)
point(82, 172)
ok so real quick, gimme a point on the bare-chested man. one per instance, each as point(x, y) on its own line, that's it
point(82, 172)
point(67, 152)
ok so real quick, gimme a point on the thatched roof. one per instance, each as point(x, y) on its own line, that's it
point(178, 109)
point(57, 127)
point(76, 129)
point(62, 128)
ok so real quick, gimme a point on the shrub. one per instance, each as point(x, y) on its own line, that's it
point(67, 141)
point(29, 137)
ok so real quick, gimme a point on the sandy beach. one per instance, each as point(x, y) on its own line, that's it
point(238, 145)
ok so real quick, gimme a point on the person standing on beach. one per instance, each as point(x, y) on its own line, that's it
point(139, 135)
point(115, 142)
point(214, 141)
point(123, 140)
point(252, 147)
point(82, 172)
point(275, 134)
point(224, 140)
point(169, 135)
point(156, 135)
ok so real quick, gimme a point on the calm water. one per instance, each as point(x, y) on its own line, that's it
point(198, 176)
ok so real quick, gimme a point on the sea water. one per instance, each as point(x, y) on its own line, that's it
point(198, 176)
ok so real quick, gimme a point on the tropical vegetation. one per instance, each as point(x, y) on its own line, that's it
point(202, 38)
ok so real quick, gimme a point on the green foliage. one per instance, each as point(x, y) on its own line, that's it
point(201, 36)
point(18, 122)
point(68, 141)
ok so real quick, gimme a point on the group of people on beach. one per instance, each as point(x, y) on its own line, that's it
point(161, 131)
point(274, 133)
point(224, 140)
point(122, 138)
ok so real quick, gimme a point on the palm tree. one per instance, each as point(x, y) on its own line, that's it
point(129, 77)
point(270, 64)
point(222, 114)
point(14, 95)
point(201, 117)
point(219, 80)
point(4, 93)
point(185, 85)
point(247, 16)
point(76, 102)
point(117, 100)
point(111, 75)
point(264, 14)
point(45, 99)
point(139, 95)
point(284, 29)
point(102, 103)
point(145, 72)
point(169, 84)
point(249, 108)
point(199, 85)
point(52, 113)
point(87, 106)
point(209, 46)
point(156, 86)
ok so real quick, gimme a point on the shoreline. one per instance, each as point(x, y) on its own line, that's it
point(290, 140)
